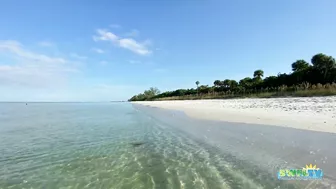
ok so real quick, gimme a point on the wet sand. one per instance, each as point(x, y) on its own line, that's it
point(269, 148)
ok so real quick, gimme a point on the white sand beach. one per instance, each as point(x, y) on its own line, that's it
point(309, 113)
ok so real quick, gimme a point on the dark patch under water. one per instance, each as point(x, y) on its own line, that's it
point(136, 144)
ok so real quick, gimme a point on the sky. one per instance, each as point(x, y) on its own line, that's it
point(105, 50)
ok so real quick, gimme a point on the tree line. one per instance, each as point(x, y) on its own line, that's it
point(319, 74)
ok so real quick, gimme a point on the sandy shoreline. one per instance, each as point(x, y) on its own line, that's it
point(313, 113)
point(266, 147)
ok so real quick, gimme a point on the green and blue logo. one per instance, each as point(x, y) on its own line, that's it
point(309, 172)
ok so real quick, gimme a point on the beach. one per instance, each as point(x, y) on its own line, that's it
point(310, 113)
point(268, 133)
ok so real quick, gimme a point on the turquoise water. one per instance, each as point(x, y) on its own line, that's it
point(108, 145)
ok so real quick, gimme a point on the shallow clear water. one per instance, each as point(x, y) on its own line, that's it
point(109, 145)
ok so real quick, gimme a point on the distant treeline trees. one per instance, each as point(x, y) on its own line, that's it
point(319, 75)
point(147, 95)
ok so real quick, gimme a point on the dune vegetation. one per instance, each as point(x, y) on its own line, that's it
point(317, 78)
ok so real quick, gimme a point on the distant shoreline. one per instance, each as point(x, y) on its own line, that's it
point(311, 113)
point(317, 78)
point(283, 94)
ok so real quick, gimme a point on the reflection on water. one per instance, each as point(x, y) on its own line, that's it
point(111, 146)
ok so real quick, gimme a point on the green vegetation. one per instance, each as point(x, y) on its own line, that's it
point(147, 95)
point(315, 79)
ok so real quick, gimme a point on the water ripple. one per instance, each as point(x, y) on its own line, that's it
point(89, 146)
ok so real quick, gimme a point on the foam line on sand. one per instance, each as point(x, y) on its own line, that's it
point(309, 113)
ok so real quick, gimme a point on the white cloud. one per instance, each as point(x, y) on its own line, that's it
point(27, 68)
point(75, 55)
point(126, 43)
point(105, 36)
point(97, 50)
point(46, 44)
point(16, 48)
point(133, 33)
point(134, 46)
point(115, 26)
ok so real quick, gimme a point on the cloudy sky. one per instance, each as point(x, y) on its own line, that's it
point(110, 50)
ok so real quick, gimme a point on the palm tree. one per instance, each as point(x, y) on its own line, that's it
point(299, 65)
point(246, 82)
point(197, 83)
point(226, 83)
point(233, 84)
point(323, 63)
point(299, 68)
point(258, 74)
point(217, 83)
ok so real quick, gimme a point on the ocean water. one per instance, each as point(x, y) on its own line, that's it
point(111, 145)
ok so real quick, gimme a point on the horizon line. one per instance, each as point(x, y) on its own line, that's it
point(63, 101)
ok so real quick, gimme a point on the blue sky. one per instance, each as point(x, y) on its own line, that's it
point(109, 50)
